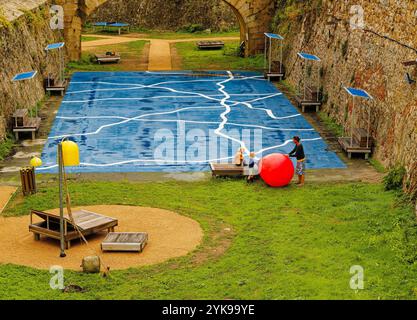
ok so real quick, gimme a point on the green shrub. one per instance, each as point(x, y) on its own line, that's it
point(6, 146)
point(192, 28)
point(394, 179)
point(231, 51)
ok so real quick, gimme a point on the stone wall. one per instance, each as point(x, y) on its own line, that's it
point(23, 38)
point(168, 14)
point(254, 17)
point(369, 58)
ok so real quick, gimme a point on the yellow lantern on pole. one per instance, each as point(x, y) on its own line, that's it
point(35, 162)
point(70, 154)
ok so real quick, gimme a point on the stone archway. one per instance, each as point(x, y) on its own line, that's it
point(254, 18)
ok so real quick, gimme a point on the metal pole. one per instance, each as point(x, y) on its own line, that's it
point(60, 64)
point(61, 201)
point(265, 54)
point(352, 122)
point(270, 55)
point(282, 58)
point(318, 84)
point(305, 80)
point(369, 128)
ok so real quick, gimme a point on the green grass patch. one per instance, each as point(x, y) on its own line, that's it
point(377, 165)
point(285, 243)
point(226, 59)
point(130, 50)
point(89, 38)
point(165, 34)
point(331, 124)
point(87, 63)
point(6, 146)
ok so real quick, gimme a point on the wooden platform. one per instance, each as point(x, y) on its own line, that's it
point(306, 103)
point(350, 148)
point(210, 45)
point(31, 125)
point(59, 86)
point(226, 170)
point(125, 241)
point(277, 71)
point(106, 58)
point(87, 222)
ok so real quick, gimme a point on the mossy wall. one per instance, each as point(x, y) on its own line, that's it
point(22, 44)
point(169, 14)
point(370, 58)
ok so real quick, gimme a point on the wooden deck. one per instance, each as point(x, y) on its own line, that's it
point(59, 86)
point(210, 45)
point(311, 99)
point(87, 222)
point(277, 71)
point(226, 170)
point(125, 241)
point(352, 148)
point(106, 58)
point(31, 125)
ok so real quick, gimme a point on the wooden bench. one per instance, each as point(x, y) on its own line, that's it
point(226, 170)
point(210, 45)
point(361, 137)
point(277, 71)
point(107, 58)
point(87, 222)
point(125, 241)
point(355, 147)
point(55, 86)
point(312, 99)
point(23, 123)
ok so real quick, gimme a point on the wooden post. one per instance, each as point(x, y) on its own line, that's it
point(61, 202)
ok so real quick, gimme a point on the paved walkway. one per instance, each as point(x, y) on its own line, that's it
point(160, 58)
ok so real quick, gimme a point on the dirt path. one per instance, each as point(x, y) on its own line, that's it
point(5, 195)
point(160, 57)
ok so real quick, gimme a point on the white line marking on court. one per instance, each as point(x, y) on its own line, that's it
point(223, 102)
point(185, 121)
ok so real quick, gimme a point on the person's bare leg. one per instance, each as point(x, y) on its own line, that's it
point(302, 179)
point(299, 180)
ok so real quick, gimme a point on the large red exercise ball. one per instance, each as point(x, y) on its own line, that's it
point(277, 170)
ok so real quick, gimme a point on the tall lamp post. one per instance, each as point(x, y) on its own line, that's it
point(68, 156)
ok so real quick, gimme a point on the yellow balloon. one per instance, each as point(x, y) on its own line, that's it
point(35, 162)
point(70, 154)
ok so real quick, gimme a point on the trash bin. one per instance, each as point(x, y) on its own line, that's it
point(27, 176)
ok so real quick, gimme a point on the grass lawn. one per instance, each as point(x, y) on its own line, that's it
point(163, 34)
point(89, 38)
point(6, 146)
point(131, 51)
point(283, 243)
point(194, 59)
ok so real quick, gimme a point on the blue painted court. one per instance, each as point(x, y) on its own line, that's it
point(177, 122)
